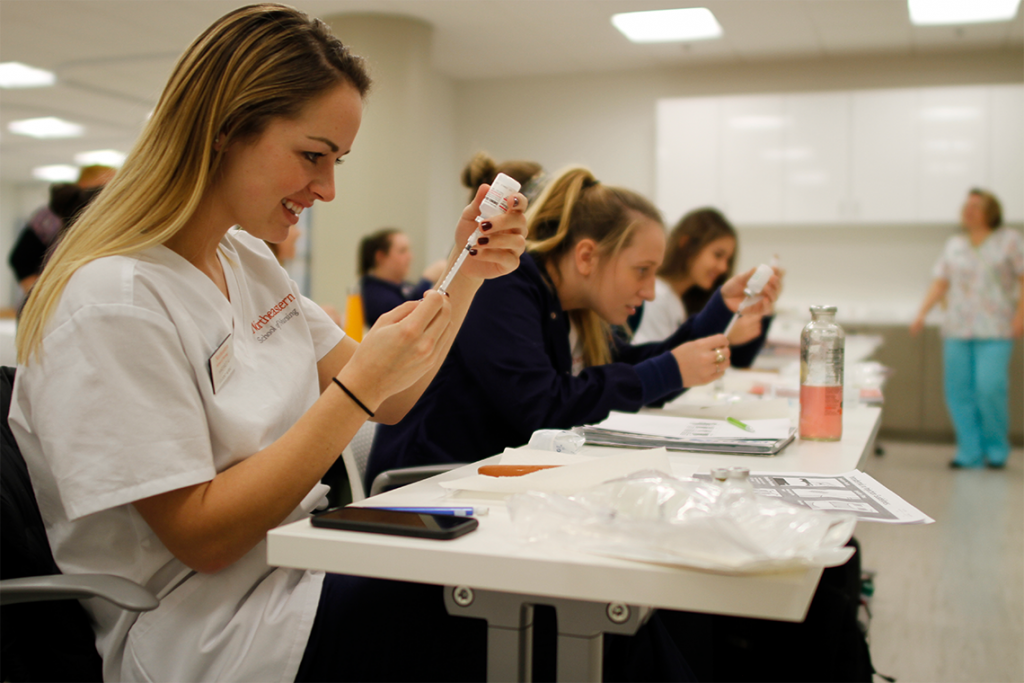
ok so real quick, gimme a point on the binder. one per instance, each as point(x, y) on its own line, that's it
point(690, 434)
point(595, 436)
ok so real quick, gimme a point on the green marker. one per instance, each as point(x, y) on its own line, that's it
point(736, 423)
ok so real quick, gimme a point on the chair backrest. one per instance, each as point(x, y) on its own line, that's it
point(355, 456)
point(40, 641)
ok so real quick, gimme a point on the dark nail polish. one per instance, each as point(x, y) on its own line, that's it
point(472, 252)
point(515, 201)
point(483, 240)
point(448, 295)
point(485, 226)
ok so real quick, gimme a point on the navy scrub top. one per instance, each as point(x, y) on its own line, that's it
point(509, 374)
point(380, 296)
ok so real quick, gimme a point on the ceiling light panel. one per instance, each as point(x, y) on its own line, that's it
point(668, 26)
point(56, 173)
point(18, 75)
point(103, 157)
point(46, 128)
point(945, 12)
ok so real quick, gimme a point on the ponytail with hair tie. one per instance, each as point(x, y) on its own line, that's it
point(567, 211)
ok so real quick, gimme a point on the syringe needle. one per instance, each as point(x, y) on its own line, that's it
point(458, 262)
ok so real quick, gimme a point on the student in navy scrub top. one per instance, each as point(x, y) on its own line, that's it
point(700, 257)
point(384, 260)
point(550, 359)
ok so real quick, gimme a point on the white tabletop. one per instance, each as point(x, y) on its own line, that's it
point(494, 558)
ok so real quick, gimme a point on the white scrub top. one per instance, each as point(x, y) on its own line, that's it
point(662, 317)
point(120, 405)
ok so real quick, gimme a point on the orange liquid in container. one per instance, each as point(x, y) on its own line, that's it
point(821, 413)
point(354, 317)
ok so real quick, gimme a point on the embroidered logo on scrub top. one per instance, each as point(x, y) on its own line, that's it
point(265, 326)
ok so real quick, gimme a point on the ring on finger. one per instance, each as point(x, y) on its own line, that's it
point(719, 357)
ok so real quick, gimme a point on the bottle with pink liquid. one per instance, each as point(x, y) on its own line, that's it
point(822, 344)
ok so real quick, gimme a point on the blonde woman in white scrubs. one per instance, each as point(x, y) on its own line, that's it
point(177, 396)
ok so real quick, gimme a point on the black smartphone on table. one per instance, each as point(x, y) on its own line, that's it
point(395, 522)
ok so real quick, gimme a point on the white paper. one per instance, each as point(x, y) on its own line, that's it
point(711, 409)
point(567, 479)
point(855, 493)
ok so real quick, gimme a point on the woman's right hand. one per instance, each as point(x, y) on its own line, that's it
point(401, 346)
point(503, 240)
point(699, 360)
point(734, 293)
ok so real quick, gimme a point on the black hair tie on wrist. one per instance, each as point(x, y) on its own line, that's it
point(352, 396)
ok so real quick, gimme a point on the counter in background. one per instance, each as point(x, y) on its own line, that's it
point(914, 403)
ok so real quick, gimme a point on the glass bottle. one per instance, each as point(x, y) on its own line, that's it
point(822, 344)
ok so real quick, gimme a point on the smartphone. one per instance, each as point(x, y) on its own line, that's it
point(394, 522)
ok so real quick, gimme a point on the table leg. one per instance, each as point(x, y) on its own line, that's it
point(509, 629)
point(509, 616)
point(581, 629)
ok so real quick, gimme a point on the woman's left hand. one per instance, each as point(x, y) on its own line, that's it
point(502, 243)
point(733, 295)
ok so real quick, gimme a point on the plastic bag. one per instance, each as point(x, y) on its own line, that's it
point(653, 517)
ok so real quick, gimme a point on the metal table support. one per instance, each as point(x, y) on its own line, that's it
point(509, 616)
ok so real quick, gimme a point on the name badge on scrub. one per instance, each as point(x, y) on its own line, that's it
point(222, 364)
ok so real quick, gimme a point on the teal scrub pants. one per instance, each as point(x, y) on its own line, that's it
point(977, 387)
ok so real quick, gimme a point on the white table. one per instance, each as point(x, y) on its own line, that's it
point(492, 574)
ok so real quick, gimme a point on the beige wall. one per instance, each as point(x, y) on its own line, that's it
point(607, 121)
point(390, 179)
point(10, 225)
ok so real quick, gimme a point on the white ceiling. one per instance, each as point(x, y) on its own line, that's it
point(112, 57)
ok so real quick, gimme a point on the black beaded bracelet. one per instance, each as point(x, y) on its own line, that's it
point(352, 396)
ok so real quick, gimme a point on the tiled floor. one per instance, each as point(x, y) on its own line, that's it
point(949, 596)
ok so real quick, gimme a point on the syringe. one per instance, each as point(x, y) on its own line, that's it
point(752, 291)
point(494, 202)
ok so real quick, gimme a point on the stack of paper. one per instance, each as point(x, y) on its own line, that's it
point(764, 437)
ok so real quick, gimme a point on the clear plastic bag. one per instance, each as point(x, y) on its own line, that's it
point(653, 517)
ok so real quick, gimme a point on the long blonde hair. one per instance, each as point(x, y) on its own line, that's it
point(253, 65)
point(575, 206)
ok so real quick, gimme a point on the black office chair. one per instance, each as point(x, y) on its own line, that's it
point(45, 633)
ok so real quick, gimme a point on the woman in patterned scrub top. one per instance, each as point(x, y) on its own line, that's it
point(981, 276)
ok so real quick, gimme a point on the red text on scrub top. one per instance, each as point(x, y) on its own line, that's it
point(258, 324)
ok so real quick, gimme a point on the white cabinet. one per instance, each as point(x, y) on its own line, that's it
point(1006, 175)
point(954, 149)
point(816, 158)
point(687, 154)
point(884, 151)
point(868, 156)
point(750, 185)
